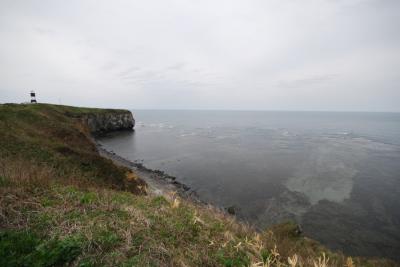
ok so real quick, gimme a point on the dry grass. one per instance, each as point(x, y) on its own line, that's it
point(62, 204)
point(20, 172)
point(113, 228)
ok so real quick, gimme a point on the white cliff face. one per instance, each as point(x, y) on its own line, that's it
point(108, 122)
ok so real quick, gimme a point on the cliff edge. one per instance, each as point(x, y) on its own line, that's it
point(100, 123)
point(63, 204)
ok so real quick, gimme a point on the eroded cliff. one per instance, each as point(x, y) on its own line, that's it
point(99, 123)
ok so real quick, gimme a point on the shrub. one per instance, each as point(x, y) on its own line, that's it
point(24, 248)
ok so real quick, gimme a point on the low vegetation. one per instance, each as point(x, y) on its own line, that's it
point(63, 204)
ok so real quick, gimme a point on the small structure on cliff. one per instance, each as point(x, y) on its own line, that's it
point(33, 97)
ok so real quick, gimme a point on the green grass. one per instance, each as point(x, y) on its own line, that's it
point(61, 204)
point(54, 136)
point(52, 225)
point(25, 248)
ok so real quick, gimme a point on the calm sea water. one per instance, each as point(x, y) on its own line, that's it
point(337, 174)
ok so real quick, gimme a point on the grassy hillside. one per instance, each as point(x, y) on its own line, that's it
point(53, 137)
point(63, 204)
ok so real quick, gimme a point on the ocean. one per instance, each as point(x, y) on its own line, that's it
point(337, 174)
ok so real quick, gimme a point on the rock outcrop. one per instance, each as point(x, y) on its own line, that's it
point(100, 123)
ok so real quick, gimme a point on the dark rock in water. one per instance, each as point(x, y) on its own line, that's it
point(169, 177)
point(159, 172)
point(139, 165)
point(231, 210)
point(185, 187)
point(297, 231)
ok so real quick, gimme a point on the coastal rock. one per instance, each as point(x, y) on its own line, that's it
point(231, 210)
point(108, 122)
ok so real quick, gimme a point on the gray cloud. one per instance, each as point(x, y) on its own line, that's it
point(176, 67)
point(44, 31)
point(126, 73)
point(228, 54)
point(312, 80)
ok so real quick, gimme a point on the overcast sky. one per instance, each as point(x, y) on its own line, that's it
point(208, 54)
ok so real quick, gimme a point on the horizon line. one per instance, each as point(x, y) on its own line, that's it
point(213, 109)
point(267, 110)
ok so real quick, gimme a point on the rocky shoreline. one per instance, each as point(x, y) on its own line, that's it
point(159, 182)
point(121, 120)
